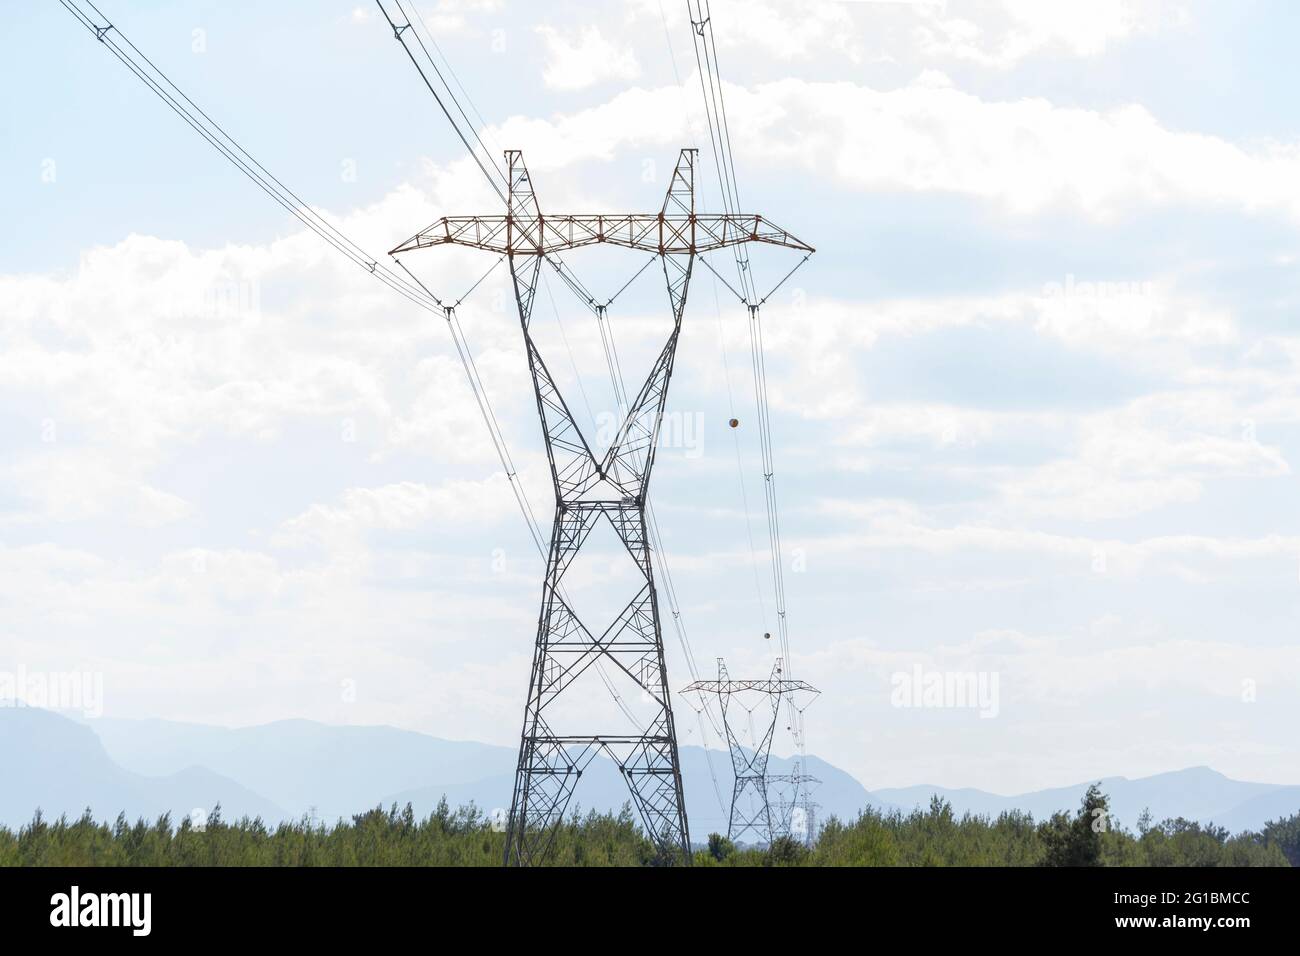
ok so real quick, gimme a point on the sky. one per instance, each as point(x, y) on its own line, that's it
point(1035, 398)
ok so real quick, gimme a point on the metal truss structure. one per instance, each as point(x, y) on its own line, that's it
point(587, 487)
point(590, 488)
point(794, 813)
point(751, 809)
point(664, 234)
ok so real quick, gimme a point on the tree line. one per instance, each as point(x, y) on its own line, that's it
point(465, 836)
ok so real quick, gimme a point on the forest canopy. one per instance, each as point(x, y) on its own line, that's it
point(465, 836)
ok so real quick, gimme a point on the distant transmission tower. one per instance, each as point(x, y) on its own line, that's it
point(751, 805)
point(588, 489)
point(794, 813)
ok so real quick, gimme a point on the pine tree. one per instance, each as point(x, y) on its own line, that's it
point(720, 847)
point(1077, 842)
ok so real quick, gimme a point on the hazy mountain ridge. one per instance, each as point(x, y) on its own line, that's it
point(300, 764)
point(1196, 793)
point(289, 769)
point(61, 767)
point(336, 771)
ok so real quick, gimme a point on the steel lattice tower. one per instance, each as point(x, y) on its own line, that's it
point(750, 801)
point(793, 809)
point(589, 489)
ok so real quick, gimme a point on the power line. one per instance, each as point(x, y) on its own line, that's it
point(706, 54)
point(176, 100)
point(410, 288)
point(496, 181)
point(566, 274)
point(740, 471)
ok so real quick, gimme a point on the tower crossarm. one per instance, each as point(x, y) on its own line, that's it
point(781, 687)
point(751, 805)
point(612, 487)
point(661, 233)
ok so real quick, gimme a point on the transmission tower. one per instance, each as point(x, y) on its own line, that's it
point(590, 488)
point(587, 488)
point(751, 809)
point(794, 813)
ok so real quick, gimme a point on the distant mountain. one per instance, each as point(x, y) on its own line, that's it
point(61, 767)
point(282, 770)
point(1197, 793)
point(342, 770)
point(1276, 804)
point(300, 764)
point(706, 778)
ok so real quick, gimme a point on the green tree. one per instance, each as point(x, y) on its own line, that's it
point(1285, 835)
point(1077, 842)
point(785, 851)
point(464, 836)
point(720, 847)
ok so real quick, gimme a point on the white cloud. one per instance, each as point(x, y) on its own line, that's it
point(1027, 155)
point(892, 524)
point(403, 506)
point(575, 62)
point(1119, 314)
point(76, 484)
point(766, 28)
point(1160, 450)
point(942, 426)
point(200, 575)
point(1152, 452)
point(149, 340)
point(994, 34)
point(440, 19)
point(1002, 33)
point(1069, 696)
